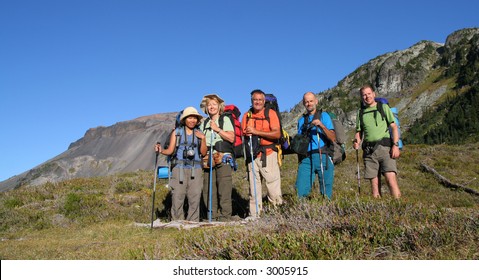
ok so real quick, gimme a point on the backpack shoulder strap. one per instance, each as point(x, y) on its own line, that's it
point(305, 125)
point(221, 120)
point(361, 117)
point(205, 123)
point(380, 108)
point(178, 134)
point(266, 113)
point(319, 114)
point(198, 140)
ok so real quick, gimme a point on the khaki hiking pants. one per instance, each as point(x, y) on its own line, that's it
point(272, 177)
point(191, 189)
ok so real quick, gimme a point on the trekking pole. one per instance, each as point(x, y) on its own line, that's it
point(379, 182)
point(321, 166)
point(210, 197)
point(154, 186)
point(253, 173)
point(169, 173)
point(359, 176)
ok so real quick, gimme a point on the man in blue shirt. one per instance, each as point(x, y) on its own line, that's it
point(315, 123)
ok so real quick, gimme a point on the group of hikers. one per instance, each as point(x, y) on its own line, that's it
point(204, 163)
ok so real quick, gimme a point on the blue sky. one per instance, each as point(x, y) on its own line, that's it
point(70, 65)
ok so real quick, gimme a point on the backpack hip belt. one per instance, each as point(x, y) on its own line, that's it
point(370, 147)
point(324, 150)
point(184, 162)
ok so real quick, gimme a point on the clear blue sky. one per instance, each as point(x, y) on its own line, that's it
point(70, 65)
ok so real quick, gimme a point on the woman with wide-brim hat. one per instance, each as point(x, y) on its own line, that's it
point(187, 174)
point(221, 143)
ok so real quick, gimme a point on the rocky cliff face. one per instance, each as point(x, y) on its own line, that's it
point(412, 79)
point(122, 147)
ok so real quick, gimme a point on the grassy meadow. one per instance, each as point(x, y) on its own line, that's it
point(83, 219)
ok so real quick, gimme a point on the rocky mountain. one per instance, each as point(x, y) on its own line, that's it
point(415, 80)
point(123, 147)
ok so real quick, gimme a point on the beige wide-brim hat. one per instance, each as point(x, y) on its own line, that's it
point(190, 111)
point(207, 98)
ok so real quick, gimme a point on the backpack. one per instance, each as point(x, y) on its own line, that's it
point(380, 101)
point(234, 114)
point(236, 148)
point(271, 103)
point(396, 120)
point(166, 140)
point(337, 150)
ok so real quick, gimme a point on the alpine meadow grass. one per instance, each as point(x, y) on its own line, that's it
point(81, 219)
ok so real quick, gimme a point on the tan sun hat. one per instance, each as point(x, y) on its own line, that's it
point(207, 98)
point(190, 111)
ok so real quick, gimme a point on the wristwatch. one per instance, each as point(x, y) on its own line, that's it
point(396, 144)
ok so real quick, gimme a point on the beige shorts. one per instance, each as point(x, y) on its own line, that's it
point(380, 159)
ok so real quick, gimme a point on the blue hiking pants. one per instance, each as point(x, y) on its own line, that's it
point(307, 170)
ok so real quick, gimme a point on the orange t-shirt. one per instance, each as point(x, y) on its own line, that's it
point(259, 121)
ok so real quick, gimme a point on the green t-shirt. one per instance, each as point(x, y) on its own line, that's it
point(227, 126)
point(375, 128)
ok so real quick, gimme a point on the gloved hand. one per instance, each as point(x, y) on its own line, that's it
point(228, 159)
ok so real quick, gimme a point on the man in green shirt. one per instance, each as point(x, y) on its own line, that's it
point(379, 137)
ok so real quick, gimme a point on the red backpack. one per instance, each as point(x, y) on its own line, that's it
point(234, 114)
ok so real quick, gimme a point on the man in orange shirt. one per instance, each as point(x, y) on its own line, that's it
point(262, 130)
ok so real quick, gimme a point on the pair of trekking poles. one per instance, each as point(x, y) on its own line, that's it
point(322, 170)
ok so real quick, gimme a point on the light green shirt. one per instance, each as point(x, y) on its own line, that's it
point(227, 126)
point(375, 128)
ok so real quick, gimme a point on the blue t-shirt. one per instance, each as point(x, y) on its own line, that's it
point(313, 132)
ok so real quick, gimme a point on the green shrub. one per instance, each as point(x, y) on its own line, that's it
point(12, 202)
point(72, 206)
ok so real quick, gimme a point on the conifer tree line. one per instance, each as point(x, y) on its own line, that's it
point(455, 121)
